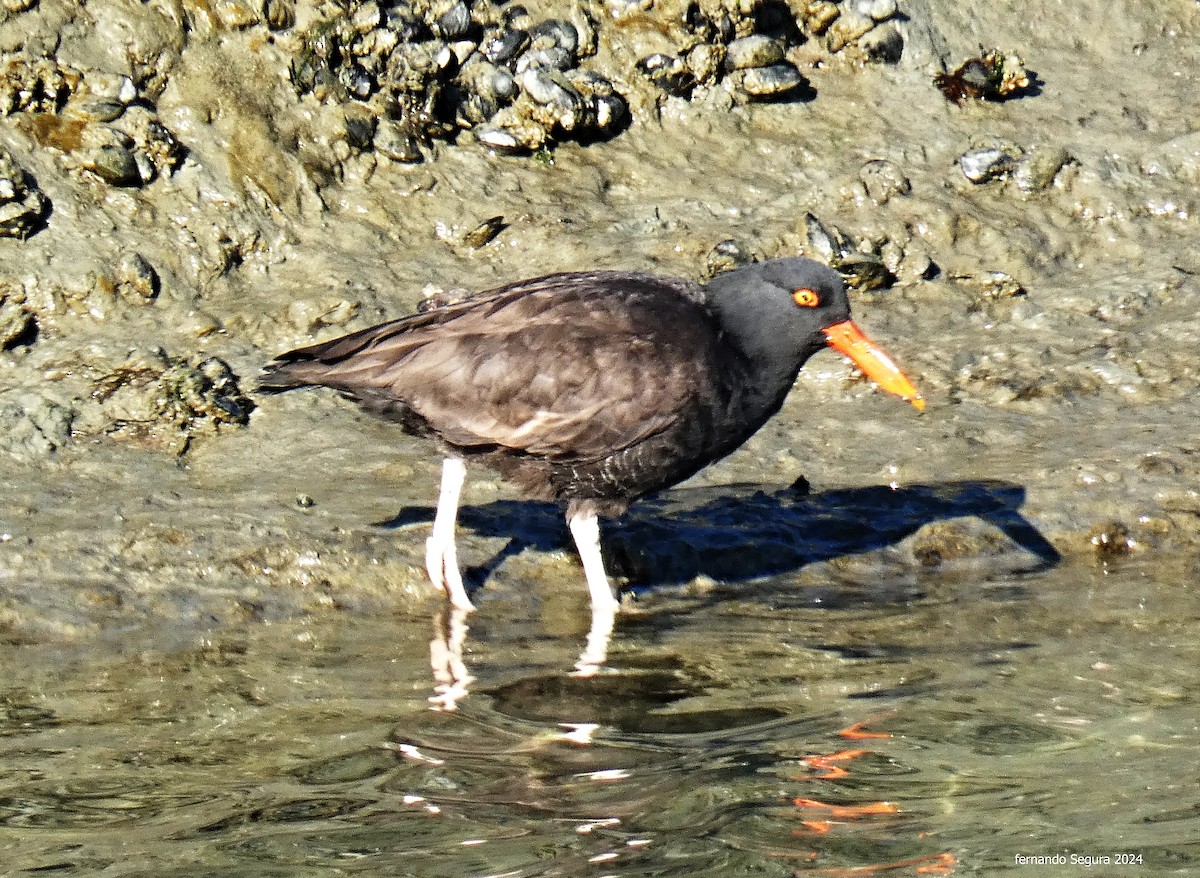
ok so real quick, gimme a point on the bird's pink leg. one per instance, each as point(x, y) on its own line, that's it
point(441, 555)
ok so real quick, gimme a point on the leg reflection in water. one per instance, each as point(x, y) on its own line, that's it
point(452, 680)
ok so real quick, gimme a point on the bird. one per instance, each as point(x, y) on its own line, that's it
point(591, 388)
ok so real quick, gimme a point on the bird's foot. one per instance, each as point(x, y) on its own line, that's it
point(441, 563)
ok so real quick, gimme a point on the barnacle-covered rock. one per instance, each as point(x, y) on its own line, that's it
point(987, 163)
point(769, 82)
point(101, 97)
point(753, 46)
point(992, 76)
point(156, 152)
point(136, 279)
point(18, 323)
point(756, 50)
point(279, 14)
point(108, 154)
point(164, 401)
point(1038, 170)
point(726, 256)
point(671, 74)
point(32, 426)
point(859, 260)
point(429, 68)
point(33, 84)
point(23, 208)
point(883, 180)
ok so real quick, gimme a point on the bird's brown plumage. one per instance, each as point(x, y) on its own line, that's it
point(588, 386)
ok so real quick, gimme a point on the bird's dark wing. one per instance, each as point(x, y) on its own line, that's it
point(572, 367)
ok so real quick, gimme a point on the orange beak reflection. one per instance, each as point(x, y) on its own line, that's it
point(848, 340)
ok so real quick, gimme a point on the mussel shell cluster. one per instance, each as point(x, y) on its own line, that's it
point(426, 70)
point(748, 45)
point(96, 121)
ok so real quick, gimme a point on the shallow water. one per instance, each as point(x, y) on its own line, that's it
point(821, 721)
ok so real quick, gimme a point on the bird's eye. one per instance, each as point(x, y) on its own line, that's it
point(806, 298)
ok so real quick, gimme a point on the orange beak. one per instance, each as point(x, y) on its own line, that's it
point(848, 340)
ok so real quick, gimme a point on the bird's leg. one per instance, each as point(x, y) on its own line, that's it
point(441, 555)
point(585, 528)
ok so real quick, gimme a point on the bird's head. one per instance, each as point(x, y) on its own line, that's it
point(788, 309)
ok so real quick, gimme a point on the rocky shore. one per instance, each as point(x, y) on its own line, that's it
point(188, 188)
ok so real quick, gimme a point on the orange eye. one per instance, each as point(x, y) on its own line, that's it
point(806, 298)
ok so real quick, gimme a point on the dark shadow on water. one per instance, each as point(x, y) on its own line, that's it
point(735, 533)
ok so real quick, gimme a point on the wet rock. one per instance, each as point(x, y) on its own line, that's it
point(163, 402)
point(818, 16)
point(876, 10)
point(434, 297)
point(726, 256)
point(23, 208)
point(771, 82)
point(136, 279)
point(32, 426)
point(310, 317)
point(915, 264)
point(992, 284)
point(1111, 540)
point(944, 542)
point(885, 44)
point(848, 28)
point(883, 180)
point(18, 323)
point(757, 50)
point(1037, 171)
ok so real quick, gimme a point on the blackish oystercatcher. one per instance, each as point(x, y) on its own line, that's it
point(592, 388)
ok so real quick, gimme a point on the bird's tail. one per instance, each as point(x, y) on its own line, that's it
point(287, 374)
